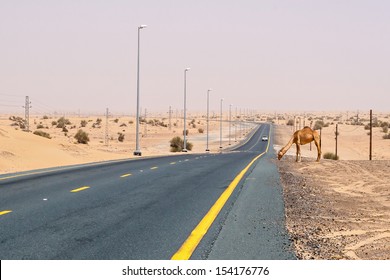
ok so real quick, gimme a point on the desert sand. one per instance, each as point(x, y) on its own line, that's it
point(338, 209)
point(21, 150)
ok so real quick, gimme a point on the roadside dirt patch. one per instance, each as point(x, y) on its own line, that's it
point(337, 209)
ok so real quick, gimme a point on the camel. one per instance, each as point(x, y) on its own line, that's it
point(302, 137)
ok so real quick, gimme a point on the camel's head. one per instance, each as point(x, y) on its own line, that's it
point(280, 154)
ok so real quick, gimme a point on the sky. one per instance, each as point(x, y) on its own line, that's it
point(287, 55)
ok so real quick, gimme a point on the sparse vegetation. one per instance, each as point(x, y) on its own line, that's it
point(40, 126)
point(331, 156)
point(62, 122)
point(320, 124)
point(42, 134)
point(200, 130)
point(386, 136)
point(121, 137)
point(82, 137)
point(18, 121)
point(290, 122)
point(83, 123)
point(177, 144)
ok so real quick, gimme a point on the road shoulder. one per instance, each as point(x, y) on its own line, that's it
point(255, 226)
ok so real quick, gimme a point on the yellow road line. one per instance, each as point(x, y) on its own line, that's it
point(173, 163)
point(188, 247)
point(80, 189)
point(5, 212)
point(125, 175)
point(155, 167)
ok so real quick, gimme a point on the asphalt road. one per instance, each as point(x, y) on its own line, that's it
point(131, 209)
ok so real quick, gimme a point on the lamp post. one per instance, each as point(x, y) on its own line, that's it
point(208, 109)
point(137, 151)
point(185, 109)
point(220, 128)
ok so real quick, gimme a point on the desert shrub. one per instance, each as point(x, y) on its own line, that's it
point(131, 122)
point(123, 125)
point(45, 117)
point(64, 129)
point(83, 123)
point(53, 123)
point(42, 134)
point(200, 130)
point(121, 137)
point(290, 122)
point(98, 121)
point(61, 122)
point(331, 156)
point(386, 136)
point(82, 137)
point(319, 125)
point(385, 129)
point(186, 132)
point(116, 120)
point(40, 126)
point(177, 144)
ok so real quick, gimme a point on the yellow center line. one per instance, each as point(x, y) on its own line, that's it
point(155, 167)
point(80, 189)
point(125, 175)
point(5, 212)
point(189, 246)
point(173, 162)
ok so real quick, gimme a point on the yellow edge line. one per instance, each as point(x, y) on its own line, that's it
point(125, 175)
point(5, 212)
point(173, 163)
point(189, 246)
point(154, 168)
point(80, 189)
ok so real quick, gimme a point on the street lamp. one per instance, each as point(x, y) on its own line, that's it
point(137, 151)
point(220, 128)
point(208, 101)
point(185, 109)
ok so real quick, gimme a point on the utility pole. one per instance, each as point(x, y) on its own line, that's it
point(230, 122)
point(235, 127)
point(337, 134)
point(106, 136)
point(146, 125)
point(370, 157)
point(170, 118)
point(27, 113)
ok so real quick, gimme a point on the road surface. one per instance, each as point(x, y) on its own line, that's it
point(133, 209)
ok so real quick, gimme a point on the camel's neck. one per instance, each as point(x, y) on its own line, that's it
point(285, 148)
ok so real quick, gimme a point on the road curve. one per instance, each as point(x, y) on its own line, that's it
point(132, 209)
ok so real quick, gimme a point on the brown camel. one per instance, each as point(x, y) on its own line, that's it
point(302, 137)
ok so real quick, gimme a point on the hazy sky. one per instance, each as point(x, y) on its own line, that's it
point(257, 54)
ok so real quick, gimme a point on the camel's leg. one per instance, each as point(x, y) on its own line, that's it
point(298, 153)
point(317, 142)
